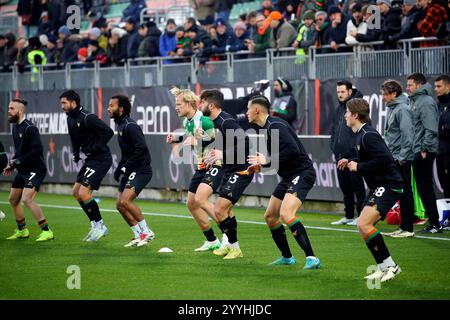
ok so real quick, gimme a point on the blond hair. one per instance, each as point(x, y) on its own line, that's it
point(187, 95)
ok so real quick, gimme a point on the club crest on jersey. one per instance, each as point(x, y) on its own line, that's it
point(120, 133)
point(78, 124)
point(20, 135)
point(358, 147)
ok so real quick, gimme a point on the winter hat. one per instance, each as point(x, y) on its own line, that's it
point(357, 7)
point(83, 52)
point(309, 14)
point(275, 15)
point(65, 30)
point(95, 32)
point(387, 2)
point(333, 9)
point(240, 25)
point(43, 39)
point(220, 22)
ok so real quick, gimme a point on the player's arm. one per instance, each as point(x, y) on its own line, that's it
point(75, 142)
point(139, 147)
point(287, 146)
point(105, 132)
point(33, 153)
point(380, 156)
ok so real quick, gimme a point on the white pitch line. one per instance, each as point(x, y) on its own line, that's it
point(240, 221)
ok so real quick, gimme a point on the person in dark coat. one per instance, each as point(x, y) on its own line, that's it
point(149, 46)
point(284, 105)
point(391, 21)
point(117, 47)
point(133, 38)
point(338, 30)
point(30, 11)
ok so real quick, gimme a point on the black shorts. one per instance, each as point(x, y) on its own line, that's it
point(233, 185)
point(28, 180)
point(212, 177)
point(298, 185)
point(94, 170)
point(383, 198)
point(135, 181)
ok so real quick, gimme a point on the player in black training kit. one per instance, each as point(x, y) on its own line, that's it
point(135, 166)
point(234, 160)
point(89, 135)
point(295, 168)
point(28, 160)
point(377, 166)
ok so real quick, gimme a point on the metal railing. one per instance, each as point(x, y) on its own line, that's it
point(238, 67)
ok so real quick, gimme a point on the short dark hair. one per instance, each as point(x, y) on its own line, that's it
point(252, 14)
point(213, 96)
point(345, 83)
point(22, 101)
point(124, 102)
point(71, 95)
point(443, 77)
point(417, 77)
point(361, 108)
point(390, 86)
point(262, 101)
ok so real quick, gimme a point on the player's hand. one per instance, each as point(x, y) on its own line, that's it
point(213, 156)
point(76, 158)
point(170, 138)
point(342, 164)
point(254, 168)
point(199, 134)
point(352, 166)
point(190, 141)
point(259, 159)
point(8, 171)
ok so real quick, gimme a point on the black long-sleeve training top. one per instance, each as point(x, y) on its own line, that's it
point(135, 153)
point(29, 156)
point(291, 153)
point(238, 150)
point(375, 161)
point(88, 133)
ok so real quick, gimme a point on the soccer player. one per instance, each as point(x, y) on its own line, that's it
point(28, 160)
point(89, 135)
point(200, 133)
point(233, 155)
point(135, 166)
point(298, 176)
point(377, 166)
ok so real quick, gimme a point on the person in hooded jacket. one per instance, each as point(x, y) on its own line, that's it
point(343, 146)
point(284, 105)
point(168, 41)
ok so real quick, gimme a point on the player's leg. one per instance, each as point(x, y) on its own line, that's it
point(129, 219)
point(289, 207)
point(85, 193)
point(228, 224)
point(28, 196)
point(272, 218)
point(387, 268)
point(15, 195)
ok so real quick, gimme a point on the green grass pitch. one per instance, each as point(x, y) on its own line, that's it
point(30, 270)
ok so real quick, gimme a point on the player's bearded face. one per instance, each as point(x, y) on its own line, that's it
point(13, 115)
point(205, 108)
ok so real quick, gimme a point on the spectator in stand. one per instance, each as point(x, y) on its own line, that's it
point(200, 44)
point(323, 31)
point(252, 28)
point(3, 42)
point(134, 10)
point(117, 47)
point(283, 33)
point(284, 105)
point(22, 51)
point(70, 44)
point(96, 54)
point(150, 36)
point(442, 89)
point(45, 27)
point(223, 9)
point(82, 54)
point(168, 41)
point(261, 42)
point(355, 25)
point(224, 37)
point(203, 9)
point(372, 34)
point(133, 37)
point(240, 37)
point(207, 23)
point(30, 11)
point(391, 21)
point(338, 30)
point(305, 37)
point(49, 48)
point(96, 9)
point(433, 24)
point(410, 19)
point(266, 8)
point(289, 13)
point(10, 51)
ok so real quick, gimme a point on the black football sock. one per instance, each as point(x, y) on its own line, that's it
point(299, 233)
point(279, 236)
point(209, 234)
point(88, 213)
point(43, 225)
point(92, 208)
point(229, 226)
point(21, 224)
point(376, 245)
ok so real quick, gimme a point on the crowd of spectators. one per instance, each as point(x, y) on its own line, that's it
point(337, 25)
